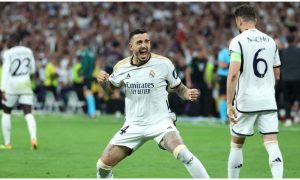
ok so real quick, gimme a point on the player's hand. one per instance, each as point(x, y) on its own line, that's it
point(231, 113)
point(102, 76)
point(3, 96)
point(193, 94)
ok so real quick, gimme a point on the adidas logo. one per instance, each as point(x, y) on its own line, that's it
point(239, 166)
point(128, 76)
point(277, 160)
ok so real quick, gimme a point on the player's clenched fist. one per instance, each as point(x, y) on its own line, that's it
point(193, 94)
point(102, 76)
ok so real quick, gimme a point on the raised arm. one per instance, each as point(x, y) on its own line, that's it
point(102, 79)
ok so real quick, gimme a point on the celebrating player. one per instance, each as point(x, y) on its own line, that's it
point(254, 67)
point(146, 77)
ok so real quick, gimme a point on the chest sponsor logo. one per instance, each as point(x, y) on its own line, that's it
point(139, 88)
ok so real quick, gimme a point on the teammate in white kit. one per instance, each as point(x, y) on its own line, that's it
point(146, 78)
point(254, 67)
point(18, 65)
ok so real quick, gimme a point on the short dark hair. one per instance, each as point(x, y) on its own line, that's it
point(13, 40)
point(246, 12)
point(290, 38)
point(136, 31)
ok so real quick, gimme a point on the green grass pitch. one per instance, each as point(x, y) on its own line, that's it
point(70, 145)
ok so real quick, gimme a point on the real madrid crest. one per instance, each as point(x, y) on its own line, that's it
point(152, 73)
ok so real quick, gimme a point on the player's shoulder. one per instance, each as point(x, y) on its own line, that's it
point(160, 59)
point(20, 48)
point(269, 37)
point(236, 39)
point(122, 62)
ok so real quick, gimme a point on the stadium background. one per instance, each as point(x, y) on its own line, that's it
point(181, 31)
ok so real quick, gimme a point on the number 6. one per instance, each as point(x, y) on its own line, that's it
point(255, 63)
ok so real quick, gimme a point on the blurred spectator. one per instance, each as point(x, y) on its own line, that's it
point(65, 77)
point(51, 77)
point(291, 78)
point(77, 79)
point(199, 79)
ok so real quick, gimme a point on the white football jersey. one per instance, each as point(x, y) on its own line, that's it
point(146, 100)
point(18, 64)
point(255, 89)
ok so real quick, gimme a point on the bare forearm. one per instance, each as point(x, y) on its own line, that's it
point(181, 91)
point(107, 86)
point(231, 84)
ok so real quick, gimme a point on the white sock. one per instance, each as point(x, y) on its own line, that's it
point(235, 160)
point(192, 163)
point(6, 127)
point(31, 124)
point(275, 159)
point(103, 171)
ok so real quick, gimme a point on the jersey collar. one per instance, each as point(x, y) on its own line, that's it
point(131, 61)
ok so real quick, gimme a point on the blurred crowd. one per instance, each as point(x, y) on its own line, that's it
point(191, 34)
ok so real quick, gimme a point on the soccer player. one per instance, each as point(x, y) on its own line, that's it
point(146, 77)
point(254, 67)
point(18, 65)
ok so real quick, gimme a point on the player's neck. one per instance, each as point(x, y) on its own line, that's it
point(248, 26)
point(137, 62)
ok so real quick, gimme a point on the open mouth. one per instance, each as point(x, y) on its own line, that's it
point(143, 53)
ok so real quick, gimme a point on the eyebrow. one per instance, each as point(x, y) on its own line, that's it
point(147, 40)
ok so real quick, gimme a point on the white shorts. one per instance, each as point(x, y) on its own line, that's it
point(11, 99)
point(266, 123)
point(133, 136)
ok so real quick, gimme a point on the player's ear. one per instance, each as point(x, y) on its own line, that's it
point(240, 21)
point(255, 21)
point(130, 46)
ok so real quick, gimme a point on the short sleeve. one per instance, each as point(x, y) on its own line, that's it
point(277, 59)
point(115, 78)
point(172, 76)
point(234, 46)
